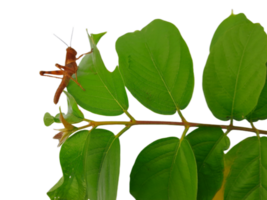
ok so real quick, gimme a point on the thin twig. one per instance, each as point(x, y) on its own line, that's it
point(189, 124)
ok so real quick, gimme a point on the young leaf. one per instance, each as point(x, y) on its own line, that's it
point(235, 72)
point(165, 169)
point(90, 163)
point(74, 115)
point(208, 144)
point(247, 179)
point(48, 119)
point(104, 91)
point(157, 67)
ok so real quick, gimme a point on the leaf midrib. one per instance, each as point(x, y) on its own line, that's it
point(239, 69)
point(161, 76)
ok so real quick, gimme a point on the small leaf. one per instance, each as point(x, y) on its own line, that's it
point(48, 119)
point(247, 179)
point(157, 67)
point(66, 124)
point(165, 169)
point(74, 114)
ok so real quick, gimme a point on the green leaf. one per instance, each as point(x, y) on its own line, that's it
point(208, 144)
point(104, 91)
point(90, 163)
point(97, 37)
point(165, 169)
point(235, 72)
point(230, 21)
point(48, 119)
point(260, 112)
point(247, 179)
point(157, 67)
point(74, 115)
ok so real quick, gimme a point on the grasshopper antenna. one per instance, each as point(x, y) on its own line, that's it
point(71, 34)
point(57, 37)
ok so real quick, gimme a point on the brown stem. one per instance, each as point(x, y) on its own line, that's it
point(190, 124)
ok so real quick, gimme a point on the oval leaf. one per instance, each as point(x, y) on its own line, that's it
point(157, 67)
point(165, 169)
point(234, 74)
point(90, 163)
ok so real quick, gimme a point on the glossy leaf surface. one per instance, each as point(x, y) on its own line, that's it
point(90, 163)
point(157, 67)
point(165, 169)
